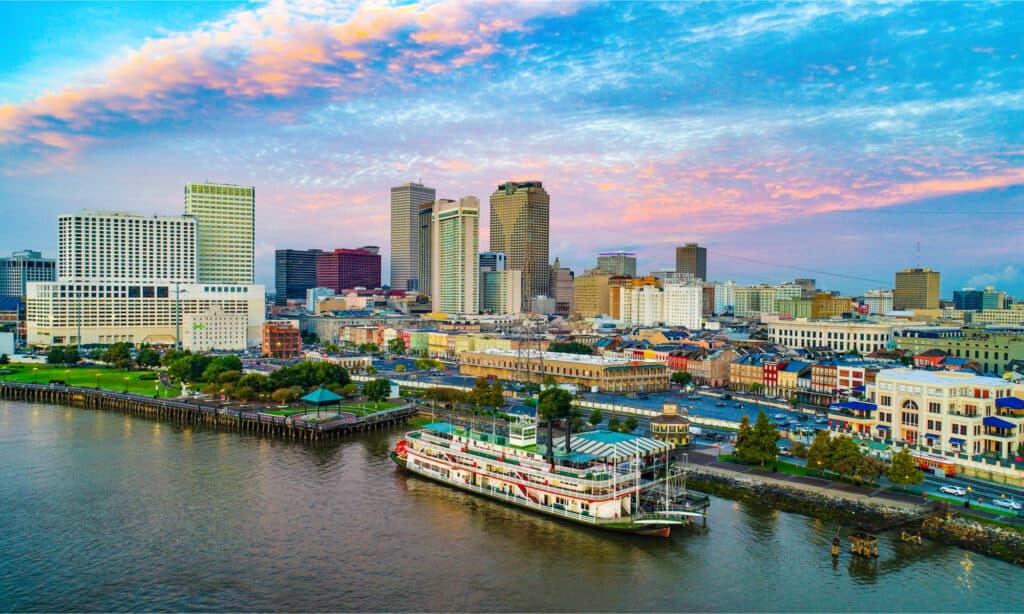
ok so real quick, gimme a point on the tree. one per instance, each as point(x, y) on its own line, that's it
point(118, 354)
point(819, 455)
point(630, 424)
point(497, 393)
point(481, 393)
point(399, 368)
point(5, 359)
point(681, 378)
point(242, 393)
point(396, 346)
point(903, 470)
point(55, 356)
point(755, 388)
point(284, 396)
point(377, 389)
point(760, 445)
point(369, 348)
point(555, 404)
point(868, 470)
point(71, 356)
point(147, 356)
point(426, 364)
point(798, 449)
point(844, 448)
point(549, 380)
point(794, 402)
point(614, 424)
point(596, 417)
point(349, 390)
point(572, 347)
point(742, 435)
point(1020, 448)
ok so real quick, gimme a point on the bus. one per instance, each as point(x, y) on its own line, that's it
point(933, 463)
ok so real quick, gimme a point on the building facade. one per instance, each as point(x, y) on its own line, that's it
point(406, 201)
point(520, 223)
point(603, 373)
point(725, 296)
point(683, 305)
point(692, 259)
point(501, 292)
point(617, 263)
point(214, 329)
point(591, 294)
point(878, 301)
point(456, 252)
point(994, 352)
point(426, 260)
point(282, 339)
point(824, 305)
point(863, 336)
point(916, 289)
point(294, 273)
point(226, 233)
point(562, 288)
point(22, 267)
point(344, 269)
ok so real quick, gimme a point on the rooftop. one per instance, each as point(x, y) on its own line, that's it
point(579, 358)
point(940, 378)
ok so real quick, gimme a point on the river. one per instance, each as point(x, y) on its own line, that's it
point(100, 511)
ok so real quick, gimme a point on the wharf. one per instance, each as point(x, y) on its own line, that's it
point(192, 412)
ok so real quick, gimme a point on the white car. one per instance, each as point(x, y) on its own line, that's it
point(959, 491)
point(1009, 504)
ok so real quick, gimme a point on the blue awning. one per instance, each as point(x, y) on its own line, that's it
point(998, 422)
point(1010, 402)
point(930, 436)
point(882, 427)
point(957, 441)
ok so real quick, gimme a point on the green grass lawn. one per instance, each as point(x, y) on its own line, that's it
point(89, 377)
point(361, 409)
point(286, 412)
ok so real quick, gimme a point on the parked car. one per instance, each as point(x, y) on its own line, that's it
point(785, 452)
point(1009, 504)
point(959, 491)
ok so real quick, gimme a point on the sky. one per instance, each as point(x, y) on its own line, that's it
point(840, 141)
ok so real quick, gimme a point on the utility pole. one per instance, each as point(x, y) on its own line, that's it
point(177, 316)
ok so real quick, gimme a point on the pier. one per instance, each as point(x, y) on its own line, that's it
point(188, 412)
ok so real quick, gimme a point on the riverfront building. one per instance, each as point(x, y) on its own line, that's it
point(294, 274)
point(22, 267)
point(944, 411)
point(603, 373)
point(226, 233)
point(520, 219)
point(406, 202)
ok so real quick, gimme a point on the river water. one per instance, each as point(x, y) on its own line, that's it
point(100, 511)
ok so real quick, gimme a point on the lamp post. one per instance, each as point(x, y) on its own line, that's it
point(35, 371)
point(126, 384)
point(98, 381)
point(67, 377)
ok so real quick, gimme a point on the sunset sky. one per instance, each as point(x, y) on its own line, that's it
point(793, 140)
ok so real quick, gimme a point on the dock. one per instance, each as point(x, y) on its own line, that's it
point(184, 411)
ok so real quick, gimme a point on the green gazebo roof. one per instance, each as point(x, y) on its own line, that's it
point(321, 396)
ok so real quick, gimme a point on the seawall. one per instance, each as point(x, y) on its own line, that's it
point(193, 413)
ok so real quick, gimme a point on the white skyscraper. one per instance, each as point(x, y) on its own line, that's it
point(682, 305)
point(725, 296)
point(405, 236)
point(227, 231)
point(455, 248)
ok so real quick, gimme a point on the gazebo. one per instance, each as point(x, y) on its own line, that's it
point(321, 397)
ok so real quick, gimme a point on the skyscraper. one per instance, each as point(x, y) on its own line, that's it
point(692, 259)
point(456, 254)
point(617, 263)
point(226, 233)
point(562, 288)
point(23, 267)
point(405, 234)
point(294, 273)
point(344, 269)
point(425, 260)
point(520, 220)
point(916, 289)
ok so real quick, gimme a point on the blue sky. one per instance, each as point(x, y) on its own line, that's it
point(827, 137)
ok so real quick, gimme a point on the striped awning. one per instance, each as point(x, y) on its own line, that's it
point(610, 446)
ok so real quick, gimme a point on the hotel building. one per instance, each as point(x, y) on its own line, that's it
point(406, 201)
point(603, 373)
point(455, 246)
point(226, 233)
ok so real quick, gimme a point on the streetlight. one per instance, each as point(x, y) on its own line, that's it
point(35, 370)
point(126, 384)
point(98, 380)
point(67, 376)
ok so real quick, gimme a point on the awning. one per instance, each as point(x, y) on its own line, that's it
point(957, 441)
point(882, 427)
point(998, 423)
point(930, 436)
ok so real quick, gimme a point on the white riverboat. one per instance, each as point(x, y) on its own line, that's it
point(600, 483)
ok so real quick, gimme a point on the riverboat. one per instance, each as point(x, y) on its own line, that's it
point(601, 483)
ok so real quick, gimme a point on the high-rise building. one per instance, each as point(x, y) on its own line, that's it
point(967, 299)
point(345, 269)
point(520, 219)
point(993, 299)
point(294, 273)
point(642, 306)
point(127, 277)
point(426, 234)
point(683, 304)
point(501, 292)
point(226, 234)
point(617, 263)
point(725, 296)
point(117, 246)
point(406, 202)
point(591, 294)
point(22, 267)
point(561, 288)
point(456, 252)
point(492, 261)
point(916, 289)
point(618, 283)
point(692, 259)
point(878, 301)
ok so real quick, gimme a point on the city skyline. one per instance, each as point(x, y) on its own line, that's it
point(825, 138)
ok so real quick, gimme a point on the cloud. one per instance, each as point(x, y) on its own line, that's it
point(281, 50)
point(1009, 275)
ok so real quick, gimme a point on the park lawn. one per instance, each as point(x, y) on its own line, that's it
point(90, 377)
point(362, 409)
point(287, 412)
